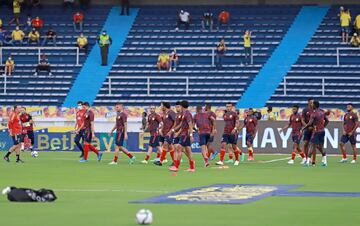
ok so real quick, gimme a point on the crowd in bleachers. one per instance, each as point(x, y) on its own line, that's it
point(349, 27)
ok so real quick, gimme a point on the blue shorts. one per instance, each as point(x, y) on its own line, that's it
point(228, 139)
point(318, 138)
point(185, 141)
point(16, 139)
point(296, 139)
point(307, 135)
point(211, 139)
point(204, 139)
point(347, 138)
point(177, 140)
point(154, 141)
point(345, 29)
point(161, 139)
point(87, 136)
point(249, 138)
point(167, 139)
point(119, 139)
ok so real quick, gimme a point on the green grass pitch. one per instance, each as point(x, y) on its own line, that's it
point(97, 194)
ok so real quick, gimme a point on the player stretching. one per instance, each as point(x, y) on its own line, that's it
point(15, 130)
point(306, 113)
point(28, 129)
point(89, 133)
point(153, 123)
point(250, 123)
point(168, 121)
point(80, 112)
point(210, 147)
point(319, 121)
point(228, 140)
point(295, 123)
point(204, 123)
point(121, 134)
point(349, 134)
point(186, 138)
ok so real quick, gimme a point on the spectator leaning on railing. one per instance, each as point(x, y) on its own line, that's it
point(50, 35)
point(82, 42)
point(247, 46)
point(224, 19)
point(345, 20)
point(163, 61)
point(78, 20)
point(43, 65)
point(183, 19)
point(17, 36)
point(174, 59)
point(34, 37)
point(220, 53)
point(9, 66)
point(207, 21)
point(355, 40)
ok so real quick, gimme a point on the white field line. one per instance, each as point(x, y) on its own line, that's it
point(109, 190)
point(276, 160)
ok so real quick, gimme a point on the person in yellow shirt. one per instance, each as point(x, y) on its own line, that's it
point(345, 20)
point(163, 61)
point(1, 23)
point(270, 114)
point(357, 24)
point(9, 66)
point(34, 37)
point(247, 47)
point(17, 36)
point(17, 11)
point(82, 42)
point(355, 40)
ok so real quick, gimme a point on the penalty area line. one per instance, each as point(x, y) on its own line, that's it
point(109, 190)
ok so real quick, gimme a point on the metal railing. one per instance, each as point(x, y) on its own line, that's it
point(148, 82)
point(343, 48)
point(39, 51)
point(5, 81)
point(213, 50)
point(313, 79)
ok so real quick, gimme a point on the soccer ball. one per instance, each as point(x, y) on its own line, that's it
point(34, 154)
point(144, 216)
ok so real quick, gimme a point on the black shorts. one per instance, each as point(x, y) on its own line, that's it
point(229, 139)
point(176, 140)
point(296, 139)
point(154, 141)
point(29, 134)
point(318, 138)
point(204, 139)
point(347, 138)
point(120, 139)
point(16, 139)
point(307, 135)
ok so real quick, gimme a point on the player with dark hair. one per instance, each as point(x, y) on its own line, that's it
point(250, 123)
point(351, 123)
point(121, 134)
point(295, 122)
point(80, 113)
point(319, 121)
point(168, 121)
point(89, 133)
point(175, 132)
point(152, 125)
point(27, 129)
point(210, 147)
point(306, 113)
point(15, 131)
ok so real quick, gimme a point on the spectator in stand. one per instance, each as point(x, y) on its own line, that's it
point(163, 61)
point(184, 18)
point(37, 23)
point(345, 20)
point(104, 41)
point(69, 3)
point(174, 59)
point(28, 23)
point(220, 53)
point(50, 36)
point(78, 20)
point(357, 24)
point(82, 42)
point(355, 40)
point(1, 23)
point(224, 19)
point(270, 114)
point(125, 7)
point(16, 11)
point(43, 65)
point(2, 37)
point(9, 66)
point(247, 47)
point(17, 36)
point(207, 21)
point(34, 37)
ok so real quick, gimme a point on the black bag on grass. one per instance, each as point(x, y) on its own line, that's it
point(30, 195)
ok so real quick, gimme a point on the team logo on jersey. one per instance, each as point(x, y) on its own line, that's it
point(237, 194)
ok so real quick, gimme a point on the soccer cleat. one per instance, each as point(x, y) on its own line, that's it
point(236, 163)
point(230, 161)
point(190, 170)
point(173, 169)
point(324, 159)
point(164, 161)
point(144, 162)
point(19, 161)
point(250, 158)
point(220, 163)
point(113, 163)
point(291, 162)
point(6, 191)
point(7, 159)
point(353, 161)
point(83, 160)
point(132, 160)
point(213, 155)
point(324, 164)
point(303, 161)
point(158, 163)
point(343, 160)
point(155, 159)
point(100, 156)
point(207, 164)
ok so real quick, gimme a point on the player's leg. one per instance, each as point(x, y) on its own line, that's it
point(127, 152)
point(78, 144)
point(320, 147)
point(250, 150)
point(231, 153)
point(178, 155)
point(31, 136)
point(301, 153)
point(204, 138)
point(189, 154)
point(165, 150)
point(148, 153)
point(342, 148)
point(116, 156)
point(354, 153)
point(237, 152)
point(224, 143)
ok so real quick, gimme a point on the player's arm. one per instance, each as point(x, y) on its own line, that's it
point(112, 130)
point(310, 123)
point(80, 127)
point(241, 127)
point(287, 126)
point(326, 121)
point(213, 123)
point(125, 130)
point(356, 125)
point(191, 129)
point(92, 128)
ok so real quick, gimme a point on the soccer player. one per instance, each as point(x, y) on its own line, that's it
point(250, 123)
point(175, 132)
point(168, 121)
point(80, 116)
point(319, 121)
point(295, 123)
point(351, 123)
point(89, 133)
point(186, 138)
point(204, 123)
point(27, 128)
point(121, 134)
point(153, 124)
point(15, 131)
point(306, 113)
point(210, 147)
point(231, 120)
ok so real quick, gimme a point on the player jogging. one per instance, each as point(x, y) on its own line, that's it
point(210, 146)
point(89, 133)
point(80, 112)
point(175, 132)
point(351, 123)
point(250, 123)
point(168, 121)
point(295, 123)
point(121, 134)
point(153, 124)
point(15, 131)
point(306, 113)
point(27, 129)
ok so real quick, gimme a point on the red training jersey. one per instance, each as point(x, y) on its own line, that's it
point(306, 114)
point(121, 119)
point(319, 118)
point(186, 120)
point(153, 123)
point(350, 120)
point(78, 17)
point(80, 114)
point(88, 119)
point(203, 122)
point(296, 124)
point(168, 119)
point(250, 123)
point(230, 119)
